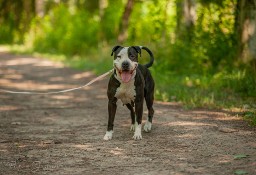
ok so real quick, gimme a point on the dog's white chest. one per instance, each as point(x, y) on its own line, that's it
point(126, 92)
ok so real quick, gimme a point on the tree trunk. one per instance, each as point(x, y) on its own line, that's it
point(103, 4)
point(39, 5)
point(165, 18)
point(186, 17)
point(246, 30)
point(123, 27)
point(28, 14)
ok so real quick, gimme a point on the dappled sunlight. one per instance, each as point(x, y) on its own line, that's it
point(117, 151)
point(187, 123)
point(216, 115)
point(21, 61)
point(225, 159)
point(3, 150)
point(188, 136)
point(55, 79)
point(62, 97)
point(4, 147)
point(31, 85)
point(22, 146)
point(101, 96)
point(31, 61)
point(228, 118)
point(8, 108)
point(175, 113)
point(50, 119)
point(157, 112)
point(173, 104)
point(209, 112)
point(14, 76)
point(82, 75)
point(27, 85)
point(47, 63)
point(87, 147)
point(126, 124)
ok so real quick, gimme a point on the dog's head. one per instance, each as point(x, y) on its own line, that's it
point(125, 62)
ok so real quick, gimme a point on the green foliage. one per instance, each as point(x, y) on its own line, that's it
point(240, 172)
point(241, 81)
point(6, 34)
point(110, 21)
point(240, 156)
point(214, 33)
point(64, 31)
point(250, 116)
point(151, 22)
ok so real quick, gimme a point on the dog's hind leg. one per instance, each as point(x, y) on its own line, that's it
point(130, 107)
point(149, 97)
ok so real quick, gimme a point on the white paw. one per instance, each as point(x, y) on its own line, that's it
point(137, 134)
point(147, 126)
point(132, 127)
point(108, 135)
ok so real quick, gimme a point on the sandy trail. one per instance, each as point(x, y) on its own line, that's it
point(63, 133)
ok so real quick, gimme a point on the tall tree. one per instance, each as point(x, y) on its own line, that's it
point(186, 17)
point(103, 4)
point(124, 23)
point(28, 13)
point(246, 30)
point(39, 5)
point(16, 17)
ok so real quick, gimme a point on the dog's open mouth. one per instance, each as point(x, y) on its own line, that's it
point(126, 75)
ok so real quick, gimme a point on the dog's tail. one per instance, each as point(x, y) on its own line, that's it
point(151, 56)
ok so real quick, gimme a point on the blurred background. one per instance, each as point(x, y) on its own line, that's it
point(205, 50)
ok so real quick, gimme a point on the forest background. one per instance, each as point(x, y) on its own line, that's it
point(205, 50)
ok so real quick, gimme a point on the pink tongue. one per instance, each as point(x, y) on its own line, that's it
point(126, 77)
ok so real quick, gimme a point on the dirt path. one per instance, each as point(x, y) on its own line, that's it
point(63, 134)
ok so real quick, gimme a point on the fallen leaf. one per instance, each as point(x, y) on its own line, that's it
point(240, 156)
point(48, 142)
point(241, 172)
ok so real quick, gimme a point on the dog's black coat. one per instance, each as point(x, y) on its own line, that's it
point(144, 88)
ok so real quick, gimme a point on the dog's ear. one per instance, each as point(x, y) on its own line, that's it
point(138, 49)
point(114, 49)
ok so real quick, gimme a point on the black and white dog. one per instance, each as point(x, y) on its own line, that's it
point(131, 82)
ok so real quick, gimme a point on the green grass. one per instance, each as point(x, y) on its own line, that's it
point(210, 91)
point(250, 116)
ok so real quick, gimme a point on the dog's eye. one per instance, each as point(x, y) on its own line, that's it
point(118, 56)
point(132, 56)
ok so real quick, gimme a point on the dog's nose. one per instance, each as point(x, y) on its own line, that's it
point(125, 65)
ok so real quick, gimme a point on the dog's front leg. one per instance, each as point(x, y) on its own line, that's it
point(111, 118)
point(139, 112)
